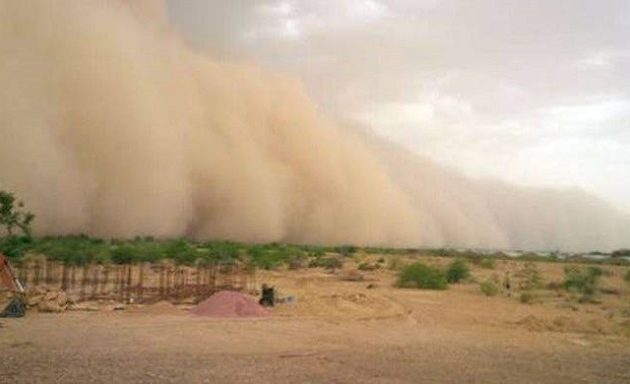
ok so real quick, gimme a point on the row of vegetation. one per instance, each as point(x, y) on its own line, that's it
point(81, 250)
point(581, 282)
point(16, 221)
point(17, 242)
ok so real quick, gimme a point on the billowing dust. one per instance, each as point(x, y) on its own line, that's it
point(110, 125)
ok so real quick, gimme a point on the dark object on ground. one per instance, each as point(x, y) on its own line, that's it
point(15, 308)
point(268, 296)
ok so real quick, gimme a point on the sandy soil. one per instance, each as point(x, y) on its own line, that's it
point(337, 331)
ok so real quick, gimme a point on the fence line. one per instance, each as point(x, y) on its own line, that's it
point(140, 282)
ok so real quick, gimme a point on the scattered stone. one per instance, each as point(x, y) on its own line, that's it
point(33, 301)
point(53, 301)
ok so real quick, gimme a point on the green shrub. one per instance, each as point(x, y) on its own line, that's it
point(124, 254)
point(487, 262)
point(223, 252)
point(15, 247)
point(457, 271)
point(272, 257)
point(419, 275)
point(179, 250)
point(489, 288)
point(346, 250)
point(583, 281)
point(626, 277)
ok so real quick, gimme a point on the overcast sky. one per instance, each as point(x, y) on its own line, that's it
point(534, 92)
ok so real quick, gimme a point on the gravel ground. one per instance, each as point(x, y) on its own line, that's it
point(133, 348)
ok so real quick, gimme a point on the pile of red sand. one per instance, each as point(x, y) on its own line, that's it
point(230, 304)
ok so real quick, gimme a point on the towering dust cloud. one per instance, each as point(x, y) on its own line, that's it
point(110, 125)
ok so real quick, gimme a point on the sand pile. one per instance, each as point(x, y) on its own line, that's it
point(230, 304)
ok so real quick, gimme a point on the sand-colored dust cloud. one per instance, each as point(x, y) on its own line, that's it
point(110, 125)
point(454, 210)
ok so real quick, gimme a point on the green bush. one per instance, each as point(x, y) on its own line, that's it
point(272, 257)
point(457, 271)
point(583, 281)
point(419, 275)
point(487, 262)
point(15, 247)
point(489, 288)
point(181, 251)
point(626, 277)
point(346, 250)
point(124, 254)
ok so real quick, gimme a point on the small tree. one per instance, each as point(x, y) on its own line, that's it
point(12, 216)
point(457, 271)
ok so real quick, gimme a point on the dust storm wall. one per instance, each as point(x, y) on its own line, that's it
point(110, 125)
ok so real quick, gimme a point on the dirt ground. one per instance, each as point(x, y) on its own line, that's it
point(339, 331)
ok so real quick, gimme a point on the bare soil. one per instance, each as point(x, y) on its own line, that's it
point(338, 331)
